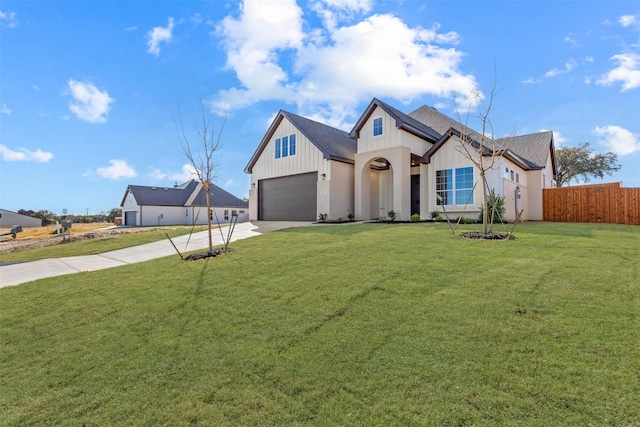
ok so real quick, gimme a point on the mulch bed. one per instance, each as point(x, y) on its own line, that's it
point(203, 255)
point(488, 236)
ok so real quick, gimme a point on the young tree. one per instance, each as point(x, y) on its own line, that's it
point(205, 161)
point(484, 151)
point(582, 161)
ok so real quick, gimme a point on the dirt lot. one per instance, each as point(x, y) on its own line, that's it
point(36, 237)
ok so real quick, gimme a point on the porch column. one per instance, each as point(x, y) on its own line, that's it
point(362, 190)
point(401, 164)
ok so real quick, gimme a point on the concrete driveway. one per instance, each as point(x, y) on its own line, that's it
point(17, 273)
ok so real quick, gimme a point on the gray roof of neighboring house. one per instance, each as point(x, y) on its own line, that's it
point(334, 144)
point(179, 195)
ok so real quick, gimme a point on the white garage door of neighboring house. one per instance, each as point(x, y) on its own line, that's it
point(130, 218)
point(289, 198)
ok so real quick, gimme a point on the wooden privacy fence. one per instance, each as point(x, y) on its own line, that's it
point(608, 203)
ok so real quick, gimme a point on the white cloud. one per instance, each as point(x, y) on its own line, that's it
point(617, 139)
point(188, 172)
point(627, 72)
point(5, 110)
point(627, 20)
point(570, 40)
point(8, 19)
point(159, 35)
point(337, 66)
point(156, 174)
point(118, 169)
point(558, 138)
point(568, 67)
point(89, 103)
point(230, 182)
point(24, 155)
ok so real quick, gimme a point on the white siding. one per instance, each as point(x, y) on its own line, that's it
point(391, 136)
point(307, 158)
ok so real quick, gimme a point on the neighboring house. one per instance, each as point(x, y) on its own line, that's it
point(9, 218)
point(408, 163)
point(181, 204)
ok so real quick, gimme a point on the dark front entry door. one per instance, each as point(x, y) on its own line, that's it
point(415, 194)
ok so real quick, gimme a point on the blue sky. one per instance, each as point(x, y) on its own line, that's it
point(90, 90)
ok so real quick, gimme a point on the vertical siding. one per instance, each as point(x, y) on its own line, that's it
point(391, 136)
point(307, 158)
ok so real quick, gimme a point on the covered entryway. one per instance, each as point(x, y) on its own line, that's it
point(289, 198)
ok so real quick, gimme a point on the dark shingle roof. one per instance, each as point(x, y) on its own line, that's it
point(533, 149)
point(219, 198)
point(334, 143)
point(180, 195)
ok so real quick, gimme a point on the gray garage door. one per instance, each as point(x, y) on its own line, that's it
point(130, 218)
point(290, 198)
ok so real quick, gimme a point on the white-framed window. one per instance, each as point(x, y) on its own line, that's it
point(285, 146)
point(377, 126)
point(506, 173)
point(517, 177)
point(454, 187)
point(512, 176)
point(226, 215)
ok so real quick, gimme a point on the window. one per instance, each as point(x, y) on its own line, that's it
point(517, 177)
point(464, 186)
point(234, 213)
point(506, 173)
point(292, 145)
point(226, 215)
point(377, 126)
point(512, 178)
point(461, 181)
point(444, 186)
point(286, 146)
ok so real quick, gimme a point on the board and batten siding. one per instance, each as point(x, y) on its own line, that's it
point(391, 136)
point(308, 157)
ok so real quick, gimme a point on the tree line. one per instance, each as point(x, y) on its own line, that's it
point(49, 217)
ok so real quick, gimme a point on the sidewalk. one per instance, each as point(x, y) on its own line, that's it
point(15, 274)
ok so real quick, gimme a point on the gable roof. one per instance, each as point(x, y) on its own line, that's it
point(334, 144)
point(403, 121)
point(180, 195)
point(529, 151)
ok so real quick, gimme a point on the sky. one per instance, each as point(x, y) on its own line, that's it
point(91, 91)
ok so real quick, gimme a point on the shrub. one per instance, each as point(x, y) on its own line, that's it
point(498, 202)
point(392, 215)
point(434, 214)
point(322, 217)
point(415, 217)
point(438, 218)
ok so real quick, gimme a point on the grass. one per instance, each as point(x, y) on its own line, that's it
point(95, 246)
point(366, 324)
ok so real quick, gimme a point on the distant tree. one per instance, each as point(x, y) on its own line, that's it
point(46, 216)
point(113, 214)
point(583, 162)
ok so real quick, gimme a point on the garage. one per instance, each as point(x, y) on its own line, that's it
point(289, 198)
point(130, 218)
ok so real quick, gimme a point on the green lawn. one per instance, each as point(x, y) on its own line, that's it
point(364, 324)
